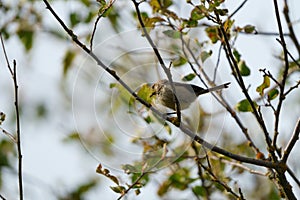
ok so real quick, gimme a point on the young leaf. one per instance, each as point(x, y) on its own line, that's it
point(237, 55)
point(245, 106)
point(189, 77)
point(172, 34)
point(198, 190)
point(249, 29)
point(244, 69)
point(260, 89)
point(272, 94)
point(179, 61)
point(145, 93)
point(26, 36)
point(118, 189)
point(198, 12)
point(204, 55)
point(74, 19)
point(67, 61)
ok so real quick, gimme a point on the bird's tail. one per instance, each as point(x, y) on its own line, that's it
point(219, 87)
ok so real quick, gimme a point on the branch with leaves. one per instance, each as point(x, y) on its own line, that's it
point(272, 163)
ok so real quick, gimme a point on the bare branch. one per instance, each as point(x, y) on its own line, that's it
point(290, 27)
point(292, 142)
point(13, 72)
point(285, 73)
point(292, 88)
point(100, 15)
point(5, 54)
point(238, 8)
point(8, 134)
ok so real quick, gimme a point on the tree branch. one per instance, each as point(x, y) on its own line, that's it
point(107, 6)
point(160, 59)
point(239, 78)
point(290, 27)
point(284, 77)
point(182, 127)
point(13, 72)
point(292, 142)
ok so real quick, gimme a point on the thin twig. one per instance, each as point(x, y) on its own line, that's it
point(290, 27)
point(8, 134)
point(217, 63)
point(107, 6)
point(240, 165)
point(5, 54)
point(292, 88)
point(13, 72)
point(292, 142)
point(284, 76)
point(291, 56)
point(143, 173)
point(264, 33)
point(238, 8)
point(200, 173)
point(20, 156)
point(217, 180)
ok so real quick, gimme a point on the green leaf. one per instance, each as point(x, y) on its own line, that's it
point(160, 5)
point(189, 77)
point(145, 93)
point(244, 69)
point(74, 136)
point(198, 12)
point(168, 128)
point(181, 179)
point(179, 61)
point(26, 36)
point(87, 3)
point(237, 55)
point(249, 29)
point(148, 119)
point(266, 83)
point(245, 106)
point(199, 190)
point(74, 19)
point(204, 55)
point(272, 94)
point(222, 12)
point(84, 188)
point(112, 85)
point(129, 169)
point(118, 189)
point(68, 60)
point(172, 34)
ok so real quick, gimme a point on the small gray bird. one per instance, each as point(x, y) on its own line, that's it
point(186, 93)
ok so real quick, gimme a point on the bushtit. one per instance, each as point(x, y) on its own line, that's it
point(186, 93)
